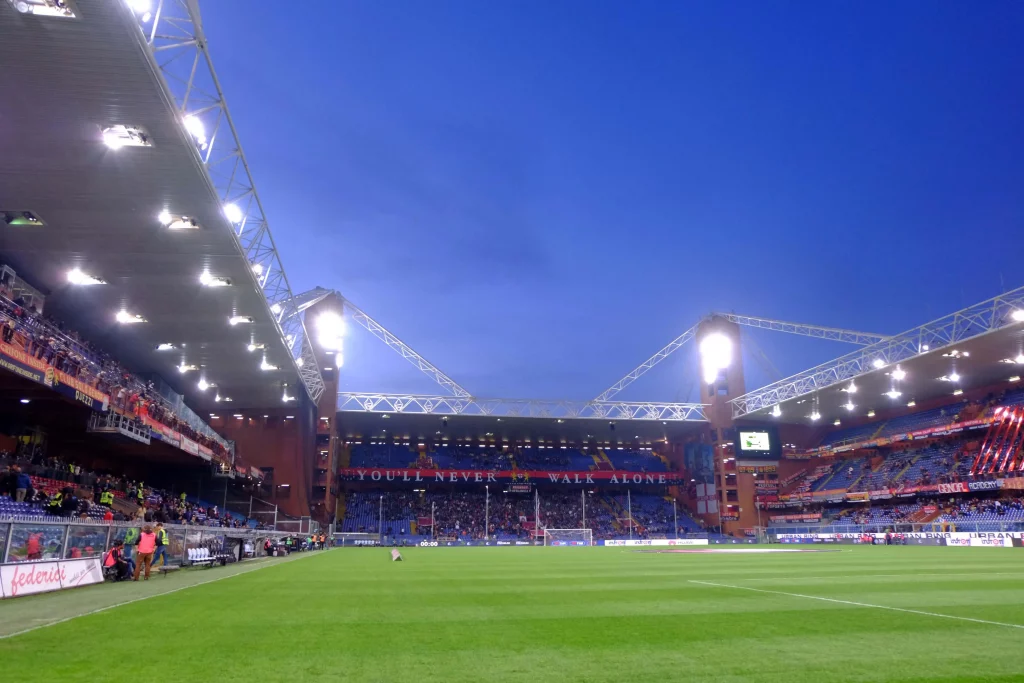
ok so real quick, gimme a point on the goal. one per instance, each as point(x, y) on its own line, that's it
point(568, 537)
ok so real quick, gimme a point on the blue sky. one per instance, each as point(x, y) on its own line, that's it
point(538, 195)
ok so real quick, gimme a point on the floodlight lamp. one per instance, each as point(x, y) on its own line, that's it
point(776, 411)
point(878, 363)
point(837, 422)
point(1019, 359)
point(240, 319)
point(339, 360)
point(331, 328)
point(716, 355)
point(265, 366)
point(300, 362)
point(851, 389)
point(958, 392)
point(233, 213)
point(899, 373)
point(203, 385)
point(815, 415)
point(196, 129)
point(165, 217)
point(911, 404)
point(1018, 315)
point(112, 140)
point(954, 377)
point(77, 277)
point(849, 406)
point(892, 393)
point(1015, 378)
point(165, 346)
point(276, 309)
point(871, 413)
point(126, 318)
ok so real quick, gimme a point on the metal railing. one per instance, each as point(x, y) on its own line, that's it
point(26, 539)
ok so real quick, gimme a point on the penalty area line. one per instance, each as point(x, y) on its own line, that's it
point(262, 565)
point(860, 604)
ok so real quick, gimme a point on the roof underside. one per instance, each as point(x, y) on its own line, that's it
point(983, 367)
point(64, 80)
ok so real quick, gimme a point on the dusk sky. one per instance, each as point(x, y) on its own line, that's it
point(537, 196)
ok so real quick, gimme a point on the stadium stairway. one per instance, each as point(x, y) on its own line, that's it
point(610, 504)
point(603, 461)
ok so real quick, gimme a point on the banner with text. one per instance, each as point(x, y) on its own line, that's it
point(419, 476)
point(26, 578)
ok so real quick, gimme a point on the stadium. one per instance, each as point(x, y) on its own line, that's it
point(179, 453)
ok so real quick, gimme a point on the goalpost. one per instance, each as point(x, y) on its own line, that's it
point(568, 537)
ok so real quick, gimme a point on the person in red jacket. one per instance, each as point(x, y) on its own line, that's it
point(146, 548)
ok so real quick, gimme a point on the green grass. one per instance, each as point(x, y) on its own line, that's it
point(544, 614)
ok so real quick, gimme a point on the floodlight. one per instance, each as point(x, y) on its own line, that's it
point(77, 277)
point(165, 217)
point(240, 319)
point(776, 411)
point(1018, 315)
point(849, 406)
point(116, 137)
point(165, 346)
point(196, 129)
point(878, 363)
point(851, 389)
point(899, 373)
point(233, 213)
point(1015, 378)
point(276, 309)
point(208, 280)
point(26, 400)
point(837, 422)
point(815, 415)
point(203, 385)
point(300, 362)
point(958, 392)
point(331, 328)
point(955, 377)
point(185, 367)
point(715, 354)
point(892, 393)
point(339, 360)
point(911, 404)
point(871, 413)
point(126, 318)
point(265, 366)
point(1019, 359)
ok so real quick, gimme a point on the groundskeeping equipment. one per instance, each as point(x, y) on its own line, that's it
point(569, 537)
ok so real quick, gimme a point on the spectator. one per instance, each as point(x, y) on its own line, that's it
point(22, 485)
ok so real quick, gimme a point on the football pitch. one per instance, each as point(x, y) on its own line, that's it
point(540, 614)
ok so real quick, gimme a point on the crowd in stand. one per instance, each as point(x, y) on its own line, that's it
point(50, 341)
point(459, 515)
point(90, 495)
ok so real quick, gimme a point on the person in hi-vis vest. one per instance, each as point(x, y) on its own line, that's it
point(161, 544)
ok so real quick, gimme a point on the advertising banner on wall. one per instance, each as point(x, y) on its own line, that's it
point(15, 360)
point(27, 578)
point(658, 542)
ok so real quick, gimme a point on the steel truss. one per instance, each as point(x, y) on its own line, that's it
point(642, 369)
point(974, 321)
point(300, 302)
point(830, 333)
point(514, 407)
point(178, 51)
point(816, 331)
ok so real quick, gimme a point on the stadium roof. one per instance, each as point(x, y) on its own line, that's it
point(977, 347)
point(65, 82)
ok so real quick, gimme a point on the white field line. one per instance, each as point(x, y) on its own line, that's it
point(860, 604)
point(263, 564)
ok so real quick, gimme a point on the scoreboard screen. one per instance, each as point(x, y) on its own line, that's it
point(520, 487)
point(755, 441)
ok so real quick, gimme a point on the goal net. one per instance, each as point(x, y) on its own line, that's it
point(568, 537)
